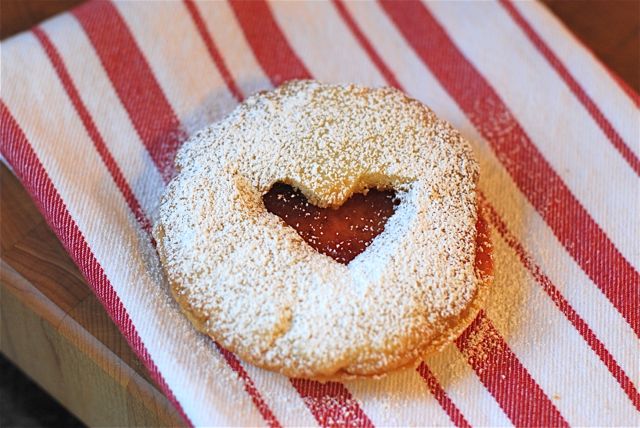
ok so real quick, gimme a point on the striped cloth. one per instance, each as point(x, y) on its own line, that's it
point(95, 103)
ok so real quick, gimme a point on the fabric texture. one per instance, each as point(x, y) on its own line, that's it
point(95, 103)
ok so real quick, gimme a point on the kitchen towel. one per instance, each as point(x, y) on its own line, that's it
point(95, 103)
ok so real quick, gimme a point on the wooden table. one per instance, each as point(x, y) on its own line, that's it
point(53, 327)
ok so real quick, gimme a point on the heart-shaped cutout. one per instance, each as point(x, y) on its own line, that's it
point(341, 233)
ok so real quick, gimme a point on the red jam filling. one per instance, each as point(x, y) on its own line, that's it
point(484, 251)
point(341, 233)
point(344, 232)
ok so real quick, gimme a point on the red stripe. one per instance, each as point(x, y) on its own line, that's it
point(271, 48)
point(137, 88)
point(92, 130)
point(366, 45)
point(17, 151)
point(575, 87)
point(518, 394)
point(452, 410)
point(565, 307)
point(134, 82)
point(250, 387)
point(213, 49)
point(331, 404)
point(573, 226)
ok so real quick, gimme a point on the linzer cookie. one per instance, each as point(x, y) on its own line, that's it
point(265, 238)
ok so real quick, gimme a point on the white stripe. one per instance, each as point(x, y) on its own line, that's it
point(180, 61)
point(465, 389)
point(319, 37)
point(587, 70)
point(104, 106)
point(224, 29)
point(521, 218)
point(207, 389)
point(550, 348)
point(561, 128)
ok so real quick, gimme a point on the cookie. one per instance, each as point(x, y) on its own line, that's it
point(250, 282)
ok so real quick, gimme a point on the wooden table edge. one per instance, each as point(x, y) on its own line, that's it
point(52, 334)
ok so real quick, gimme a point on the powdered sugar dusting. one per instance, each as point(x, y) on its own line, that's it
point(251, 282)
